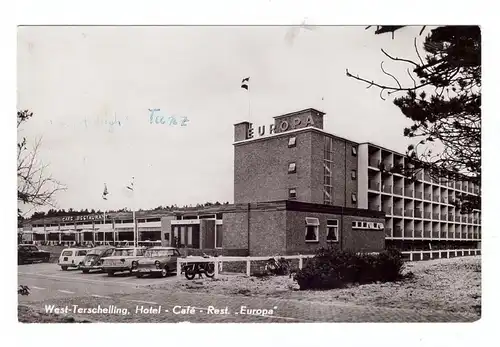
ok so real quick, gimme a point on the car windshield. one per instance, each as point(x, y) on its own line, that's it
point(159, 252)
point(96, 251)
point(123, 252)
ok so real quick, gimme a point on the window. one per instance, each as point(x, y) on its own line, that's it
point(354, 151)
point(353, 174)
point(67, 253)
point(365, 225)
point(292, 168)
point(332, 230)
point(312, 229)
point(354, 224)
point(292, 141)
point(353, 197)
point(81, 253)
point(139, 252)
point(153, 220)
point(292, 193)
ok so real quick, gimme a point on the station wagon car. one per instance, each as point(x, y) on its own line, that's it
point(30, 253)
point(93, 259)
point(156, 261)
point(121, 259)
point(71, 257)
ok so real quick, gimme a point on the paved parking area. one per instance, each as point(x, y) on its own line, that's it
point(138, 297)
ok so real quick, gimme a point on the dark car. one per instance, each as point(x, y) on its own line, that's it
point(156, 261)
point(30, 254)
point(94, 258)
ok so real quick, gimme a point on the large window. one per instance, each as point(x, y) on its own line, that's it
point(292, 168)
point(327, 171)
point(332, 230)
point(312, 229)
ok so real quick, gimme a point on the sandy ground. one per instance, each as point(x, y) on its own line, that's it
point(441, 284)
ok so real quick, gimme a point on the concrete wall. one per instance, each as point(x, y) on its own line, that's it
point(166, 229)
point(363, 175)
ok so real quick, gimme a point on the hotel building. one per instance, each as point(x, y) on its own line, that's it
point(298, 188)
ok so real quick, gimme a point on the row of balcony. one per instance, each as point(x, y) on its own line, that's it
point(399, 211)
point(400, 232)
point(408, 192)
point(375, 163)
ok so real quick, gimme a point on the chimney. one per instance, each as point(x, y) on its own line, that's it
point(243, 131)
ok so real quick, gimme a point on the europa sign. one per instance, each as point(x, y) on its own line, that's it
point(283, 125)
point(77, 218)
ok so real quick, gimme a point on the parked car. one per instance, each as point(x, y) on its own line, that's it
point(156, 261)
point(71, 257)
point(121, 259)
point(93, 259)
point(27, 253)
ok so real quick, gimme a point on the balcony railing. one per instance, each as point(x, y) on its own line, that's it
point(450, 198)
point(443, 234)
point(408, 233)
point(427, 196)
point(435, 198)
point(388, 211)
point(458, 186)
point(409, 193)
point(418, 213)
point(374, 162)
point(398, 190)
point(408, 213)
point(464, 219)
point(443, 199)
point(457, 218)
point(435, 216)
point(427, 215)
point(386, 166)
point(450, 217)
point(374, 185)
point(398, 211)
point(451, 184)
point(418, 194)
point(476, 191)
point(443, 216)
point(386, 188)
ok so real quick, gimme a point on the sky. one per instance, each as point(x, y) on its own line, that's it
point(91, 90)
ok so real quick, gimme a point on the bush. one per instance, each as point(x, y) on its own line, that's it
point(331, 268)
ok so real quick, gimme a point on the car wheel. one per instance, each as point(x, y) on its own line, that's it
point(64, 268)
point(111, 273)
point(164, 271)
point(138, 275)
point(85, 271)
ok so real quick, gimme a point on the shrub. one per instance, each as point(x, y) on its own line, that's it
point(331, 268)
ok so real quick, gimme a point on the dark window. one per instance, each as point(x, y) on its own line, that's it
point(312, 229)
point(353, 174)
point(292, 142)
point(292, 193)
point(354, 151)
point(332, 230)
point(353, 197)
point(218, 236)
point(207, 216)
point(218, 216)
point(153, 219)
point(81, 253)
point(292, 168)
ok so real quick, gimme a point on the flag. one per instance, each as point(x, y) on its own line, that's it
point(244, 83)
point(105, 192)
point(130, 187)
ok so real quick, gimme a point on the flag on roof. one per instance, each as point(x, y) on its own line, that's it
point(130, 187)
point(105, 192)
point(244, 83)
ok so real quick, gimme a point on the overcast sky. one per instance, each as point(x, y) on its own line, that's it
point(77, 80)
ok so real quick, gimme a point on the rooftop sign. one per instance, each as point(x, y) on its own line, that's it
point(281, 126)
point(79, 218)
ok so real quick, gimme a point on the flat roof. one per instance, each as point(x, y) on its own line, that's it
point(300, 112)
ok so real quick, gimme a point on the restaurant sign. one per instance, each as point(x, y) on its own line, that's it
point(80, 218)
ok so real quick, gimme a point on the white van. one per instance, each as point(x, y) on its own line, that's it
point(71, 257)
